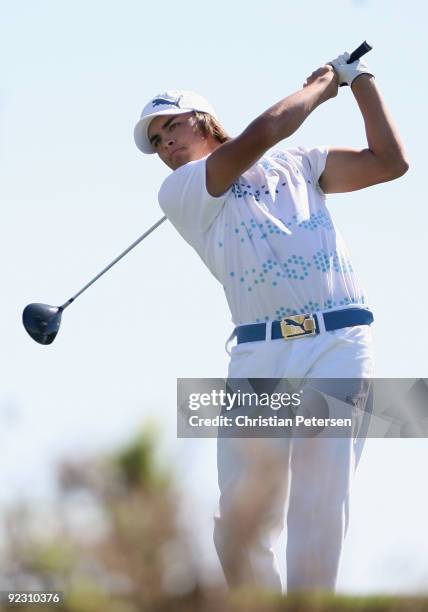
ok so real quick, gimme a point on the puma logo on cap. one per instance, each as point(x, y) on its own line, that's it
point(173, 102)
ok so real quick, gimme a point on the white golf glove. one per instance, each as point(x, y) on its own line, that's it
point(347, 73)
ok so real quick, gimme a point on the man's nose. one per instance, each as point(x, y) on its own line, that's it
point(169, 142)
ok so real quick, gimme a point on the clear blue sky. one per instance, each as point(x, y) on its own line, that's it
point(75, 192)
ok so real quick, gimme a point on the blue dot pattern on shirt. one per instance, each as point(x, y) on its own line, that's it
point(278, 271)
point(270, 241)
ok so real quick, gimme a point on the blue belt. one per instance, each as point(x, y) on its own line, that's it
point(300, 326)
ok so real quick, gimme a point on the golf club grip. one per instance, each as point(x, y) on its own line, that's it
point(359, 52)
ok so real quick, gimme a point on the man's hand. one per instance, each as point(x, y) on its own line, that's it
point(347, 73)
point(328, 77)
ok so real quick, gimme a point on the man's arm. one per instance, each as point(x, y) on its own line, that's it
point(235, 156)
point(383, 160)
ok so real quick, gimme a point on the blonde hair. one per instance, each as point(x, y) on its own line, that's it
point(208, 124)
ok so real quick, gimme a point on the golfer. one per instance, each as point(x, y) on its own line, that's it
point(258, 219)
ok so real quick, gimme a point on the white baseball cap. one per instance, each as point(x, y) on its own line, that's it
point(171, 102)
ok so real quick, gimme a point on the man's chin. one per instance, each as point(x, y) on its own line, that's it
point(180, 160)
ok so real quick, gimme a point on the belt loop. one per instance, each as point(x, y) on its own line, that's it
point(226, 346)
point(321, 322)
point(268, 331)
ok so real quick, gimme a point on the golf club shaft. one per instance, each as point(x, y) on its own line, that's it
point(133, 245)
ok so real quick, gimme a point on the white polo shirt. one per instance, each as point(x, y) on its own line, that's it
point(270, 239)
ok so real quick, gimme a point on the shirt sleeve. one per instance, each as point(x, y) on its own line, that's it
point(184, 198)
point(311, 162)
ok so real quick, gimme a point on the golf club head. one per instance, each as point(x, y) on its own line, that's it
point(42, 322)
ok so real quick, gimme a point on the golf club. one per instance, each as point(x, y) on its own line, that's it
point(357, 53)
point(42, 321)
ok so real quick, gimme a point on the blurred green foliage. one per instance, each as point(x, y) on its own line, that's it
point(107, 546)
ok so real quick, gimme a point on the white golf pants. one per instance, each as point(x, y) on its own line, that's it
point(264, 481)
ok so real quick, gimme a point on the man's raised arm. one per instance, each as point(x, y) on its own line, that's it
point(281, 120)
point(384, 159)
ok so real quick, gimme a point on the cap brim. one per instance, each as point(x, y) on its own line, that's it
point(140, 131)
